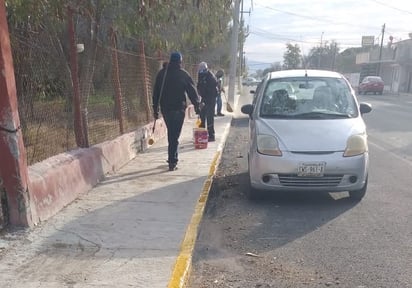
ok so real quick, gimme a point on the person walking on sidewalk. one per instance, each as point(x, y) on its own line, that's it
point(171, 86)
point(220, 90)
point(207, 89)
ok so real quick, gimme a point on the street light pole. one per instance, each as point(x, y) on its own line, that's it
point(233, 52)
point(380, 51)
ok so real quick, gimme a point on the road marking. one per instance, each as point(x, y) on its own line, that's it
point(409, 162)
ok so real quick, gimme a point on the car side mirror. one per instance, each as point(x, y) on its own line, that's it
point(365, 107)
point(247, 109)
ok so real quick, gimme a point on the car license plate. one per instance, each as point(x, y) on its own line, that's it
point(311, 169)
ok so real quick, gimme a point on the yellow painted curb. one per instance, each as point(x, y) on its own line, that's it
point(183, 265)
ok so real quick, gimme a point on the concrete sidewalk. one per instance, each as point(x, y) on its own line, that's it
point(134, 229)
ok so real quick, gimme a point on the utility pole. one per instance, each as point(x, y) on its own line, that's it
point(334, 56)
point(234, 52)
point(242, 40)
point(320, 49)
point(380, 51)
point(14, 178)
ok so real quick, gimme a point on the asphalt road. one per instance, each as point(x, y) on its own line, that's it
point(316, 239)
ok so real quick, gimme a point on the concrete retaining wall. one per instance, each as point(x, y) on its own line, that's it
point(57, 181)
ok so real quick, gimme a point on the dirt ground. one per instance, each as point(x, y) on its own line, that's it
point(226, 254)
point(234, 247)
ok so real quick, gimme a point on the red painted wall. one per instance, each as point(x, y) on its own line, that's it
point(57, 181)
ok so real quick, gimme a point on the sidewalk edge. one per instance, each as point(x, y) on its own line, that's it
point(183, 264)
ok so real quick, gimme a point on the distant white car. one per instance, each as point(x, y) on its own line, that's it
point(307, 134)
point(249, 81)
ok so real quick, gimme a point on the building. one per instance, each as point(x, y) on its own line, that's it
point(393, 63)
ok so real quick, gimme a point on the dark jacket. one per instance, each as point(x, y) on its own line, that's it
point(177, 83)
point(207, 86)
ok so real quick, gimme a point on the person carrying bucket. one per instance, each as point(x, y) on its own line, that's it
point(169, 93)
point(207, 89)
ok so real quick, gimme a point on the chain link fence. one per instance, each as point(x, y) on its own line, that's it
point(115, 95)
point(73, 94)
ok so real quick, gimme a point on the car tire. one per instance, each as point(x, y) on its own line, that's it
point(252, 194)
point(357, 195)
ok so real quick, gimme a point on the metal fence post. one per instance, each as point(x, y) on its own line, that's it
point(13, 168)
point(116, 81)
point(145, 82)
point(78, 119)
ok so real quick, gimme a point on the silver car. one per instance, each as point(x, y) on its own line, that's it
point(310, 137)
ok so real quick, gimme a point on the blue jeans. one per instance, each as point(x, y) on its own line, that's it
point(174, 123)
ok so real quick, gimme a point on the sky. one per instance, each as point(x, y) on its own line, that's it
point(274, 23)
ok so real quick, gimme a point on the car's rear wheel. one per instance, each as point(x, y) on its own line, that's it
point(357, 195)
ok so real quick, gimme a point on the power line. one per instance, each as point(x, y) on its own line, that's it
point(392, 7)
point(316, 19)
point(268, 35)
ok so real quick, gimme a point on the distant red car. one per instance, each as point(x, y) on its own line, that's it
point(372, 84)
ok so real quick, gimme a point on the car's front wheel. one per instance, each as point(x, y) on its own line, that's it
point(357, 195)
point(252, 193)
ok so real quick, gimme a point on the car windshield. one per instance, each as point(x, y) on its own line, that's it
point(308, 98)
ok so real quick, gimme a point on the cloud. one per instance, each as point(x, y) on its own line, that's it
point(273, 23)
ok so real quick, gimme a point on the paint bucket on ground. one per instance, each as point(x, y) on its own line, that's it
point(200, 138)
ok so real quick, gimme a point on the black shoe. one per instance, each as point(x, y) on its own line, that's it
point(220, 114)
point(211, 139)
point(172, 167)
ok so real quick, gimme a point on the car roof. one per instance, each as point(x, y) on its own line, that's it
point(304, 72)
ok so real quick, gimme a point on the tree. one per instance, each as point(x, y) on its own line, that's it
point(324, 57)
point(346, 60)
point(273, 67)
point(39, 37)
point(276, 66)
point(292, 56)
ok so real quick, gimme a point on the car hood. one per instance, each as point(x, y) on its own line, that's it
point(325, 135)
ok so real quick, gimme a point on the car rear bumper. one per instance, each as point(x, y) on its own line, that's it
point(371, 89)
point(280, 173)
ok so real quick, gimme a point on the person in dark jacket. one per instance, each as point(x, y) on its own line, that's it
point(169, 93)
point(207, 89)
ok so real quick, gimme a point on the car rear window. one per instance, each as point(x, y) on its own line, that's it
point(374, 79)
